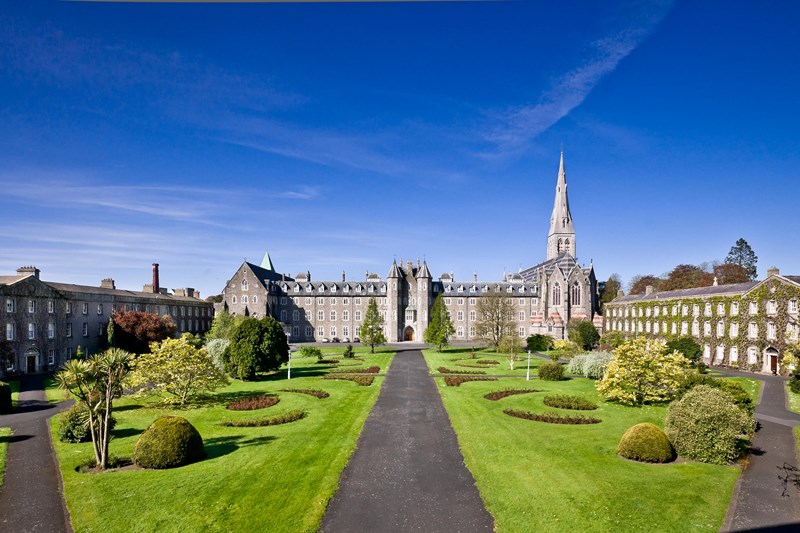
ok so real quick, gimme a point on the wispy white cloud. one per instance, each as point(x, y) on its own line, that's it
point(516, 127)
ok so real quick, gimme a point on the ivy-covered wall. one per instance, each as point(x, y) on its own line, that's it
point(772, 289)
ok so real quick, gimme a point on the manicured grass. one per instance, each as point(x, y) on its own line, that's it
point(5, 433)
point(14, 384)
point(793, 401)
point(52, 393)
point(275, 478)
point(446, 359)
point(751, 385)
point(535, 476)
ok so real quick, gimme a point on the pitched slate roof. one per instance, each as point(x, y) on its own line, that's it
point(71, 287)
point(718, 290)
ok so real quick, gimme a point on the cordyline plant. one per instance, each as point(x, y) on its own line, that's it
point(94, 382)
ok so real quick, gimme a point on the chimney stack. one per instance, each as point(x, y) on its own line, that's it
point(620, 293)
point(107, 283)
point(773, 271)
point(648, 290)
point(28, 271)
point(343, 277)
point(156, 288)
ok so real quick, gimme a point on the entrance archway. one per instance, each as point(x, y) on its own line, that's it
point(31, 358)
point(772, 358)
point(408, 334)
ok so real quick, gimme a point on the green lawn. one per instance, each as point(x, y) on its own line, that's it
point(14, 384)
point(751, 385)
point(276, 478)
point(461, 359)
point(541, 477)
point(793, 400)
point(5, 433)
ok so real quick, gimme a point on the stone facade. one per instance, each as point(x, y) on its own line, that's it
point(44, 322)
point(546, 296)
point(743, 325)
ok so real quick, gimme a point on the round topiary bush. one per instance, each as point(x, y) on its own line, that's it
point(706, 425)
point(170, 441)
point(74, 424)
point(551, 371)
point(646, 442)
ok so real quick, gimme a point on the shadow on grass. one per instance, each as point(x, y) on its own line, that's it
point(127, 432)
point(220, 446)
point(129, 407)
point(14, 438)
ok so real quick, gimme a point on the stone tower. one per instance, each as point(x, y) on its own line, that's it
point(423, 300)
point(393, 301)
point(561, 238)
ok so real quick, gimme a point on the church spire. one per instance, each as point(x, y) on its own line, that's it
point(561, 238)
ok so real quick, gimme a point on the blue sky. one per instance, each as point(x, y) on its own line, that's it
point(341, 136)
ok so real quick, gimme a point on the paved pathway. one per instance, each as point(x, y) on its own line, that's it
point(30, 498)
point(407, 472)
point(758, 500)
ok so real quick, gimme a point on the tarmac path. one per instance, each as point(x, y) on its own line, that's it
point(407, 472)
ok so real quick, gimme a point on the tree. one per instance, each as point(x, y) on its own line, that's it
point(511, 345)
point(609, 289)
point(728, 273)
point(583, 333)
point(256, 346)
point(372, 327)
point(741, 254)
point(111, 331)
point(6, 356)
point(223, 325)
point(441, 326)
point(687, 346)
point(176, 367)
point(639, 283)
point(686, 277)
point(94, 383)
point(494, 322)
point(135, 330)
point(539, 342)
point(643, 371)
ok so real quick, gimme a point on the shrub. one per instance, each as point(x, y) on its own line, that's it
point(487, 362)
point(539, 343)
point(551, 371)
point(276, 420)
point(576, 364)
point(445, 370)
point(5, 398)
point(327, 361)
point(505, 393)
point(74, 424)
point(170, 441)
point(705, 425)
point(687, 346)
point(348, 352)
point(643, 371)
point(583, 333)
point(362, 379)
point(251, 403)
point(368, 370)
point(455, 381)
point(216, 349)
point(612, 339)
point(311, 392)
point(568, 401)
point(310, 351)
point(564, 349)
point(737, 392)
point(646, 442)
point(794, 384)
point(552, 418)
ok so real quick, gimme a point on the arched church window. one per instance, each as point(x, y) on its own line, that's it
point(566, 245)
point(557, 294)
point(576, 294)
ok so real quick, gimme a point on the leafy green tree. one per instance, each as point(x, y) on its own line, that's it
point(441, 326)
point(643, 371)
point(687, 346)
point(111, 330)
point(639, 283)
point(256, 346)
point(94, 383)
point(539, 342)
point(6, 355)
point(612, 339)
point(609, 289)
point(372, 327)
point(176, 367)
point(741, 254)
point(495, 312)
point(686, 277)
point(223, 325)
point(583, 333)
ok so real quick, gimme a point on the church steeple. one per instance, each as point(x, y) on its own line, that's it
point(561, 238)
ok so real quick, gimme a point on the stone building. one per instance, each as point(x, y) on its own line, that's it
point(44, 322)
point(546, 296)
point(743, 325)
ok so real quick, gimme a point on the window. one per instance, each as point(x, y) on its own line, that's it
point(772, 307)
point(696, 309)
point(345, 331)
point(333, 301)
point(308, 316)
point(9, 305)
point(320, 315)
point(283, 300)
point(244, 299)
point(684, 328)
point(684, 309)
point(295, 315)
point(655, 326)
point(357, 331)
point(255, 299)
point(752, 331)
point(296, 288)
point(31, 331)
point(9, 331)
point(69, 329)
point(707, 329)
point(752, 355)
point(675, 328)
point(69, 352)
point(708, 309)
point(576, 294)
point(283, 315)
point(233, 300)
point(734, 330)
point(655, 311)
point(345, 301)
point(69, 308)
point(345, 315)
point(734, 354)
point(320, 301)
point(647, 312)
point(793, 306)
point(31, 306)
point(295, 331)
point(101, 329)
point(521, 331)
point(321, 331)
point(720, 354)
point(557, 294)
point(472, 315)
point(460, 301)
point(85, 308)
point(771, 331)
point(706, 352)
point(85, 329)
point(734, 308)
point(460, 331)
point(357, 315)
point(245, 285)
point(471, 301)
point(51, 330)
point(472, 331)
point(309, 331)
point(695, 328)
point(753, 308)
point(720, 309)
point(447, 301)
point(333, 317)
point(522, 315)
point(647, 326)
point(460, 316)
point(720, 328)
point(50, 307)
point(333, 331)
point(51, 356)
point(308, 301)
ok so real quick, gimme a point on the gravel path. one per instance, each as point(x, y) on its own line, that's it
point(407, 472)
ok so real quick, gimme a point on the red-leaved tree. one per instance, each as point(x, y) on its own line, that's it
point(135, 330)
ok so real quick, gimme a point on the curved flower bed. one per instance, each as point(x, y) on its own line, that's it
point(500, 394)
point(251, 403)
point(445, 370)
point(362, 379)
point(455, 381)
point(567, 401)
point(311, 392)
point(284, 418)
point(552, 418)
point(368, 370)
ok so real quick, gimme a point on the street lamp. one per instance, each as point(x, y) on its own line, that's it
point(528, 374)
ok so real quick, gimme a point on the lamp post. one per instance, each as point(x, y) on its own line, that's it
point(289, 371)
point(528, 374)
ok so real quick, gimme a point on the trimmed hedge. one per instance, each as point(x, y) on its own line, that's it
point(445, 370)
point(368, 370)
point(568, 401)
point(6, 404)
point(170, 441)
point(646, 442)
point(552, 418)
point(321, 394)
point(251, 403)
point(551, 371)
point(455, 381)
point(74, 424)
point(283, 418)
point(365, 380)
point(706, 425)
point(505, 393)
point(487, 362)
point(735, 390)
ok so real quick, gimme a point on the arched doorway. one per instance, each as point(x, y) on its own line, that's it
point(772, 358)
point(31, 358)
point(408, 334)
